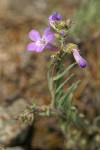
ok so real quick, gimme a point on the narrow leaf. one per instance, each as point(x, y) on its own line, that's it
point(65, 72)
point(69, 78)
point(71, 89)
point(66, 108)
point(63, 59)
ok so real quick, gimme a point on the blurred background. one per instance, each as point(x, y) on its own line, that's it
point(23, 74)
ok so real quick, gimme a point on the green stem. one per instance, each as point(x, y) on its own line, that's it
point(52, 86)
point(62, 43)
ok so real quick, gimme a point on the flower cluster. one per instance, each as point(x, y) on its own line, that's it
point(60, 27)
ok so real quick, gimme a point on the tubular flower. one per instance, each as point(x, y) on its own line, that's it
point(55, 17)
point(81, 62)
point(39, 43)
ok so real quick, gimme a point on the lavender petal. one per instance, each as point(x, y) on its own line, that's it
point(31, 46)
point(55, 17)
point(82, 63)
point(34, 35)
point(46, 32)
point(50, 18)
point(40, 48)
point(60, 16)
point(49, 38)
point(55, 13)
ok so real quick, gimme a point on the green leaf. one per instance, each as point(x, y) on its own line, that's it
point(67, 80)
point(67, 103)
point(62, 59)
point(66, 108)
point(64, 72)
point(70, 90)
point(59, 81)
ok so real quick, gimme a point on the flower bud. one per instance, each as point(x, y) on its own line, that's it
point(81, 62)
point(73, 48)
point(61, 32)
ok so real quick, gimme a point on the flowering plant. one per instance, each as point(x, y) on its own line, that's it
point(61, 99)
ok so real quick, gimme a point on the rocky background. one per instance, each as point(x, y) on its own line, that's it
point(23, 75)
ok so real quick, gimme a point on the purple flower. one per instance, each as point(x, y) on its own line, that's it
point(81, 62)
point(55, 17)
point(39, 43)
